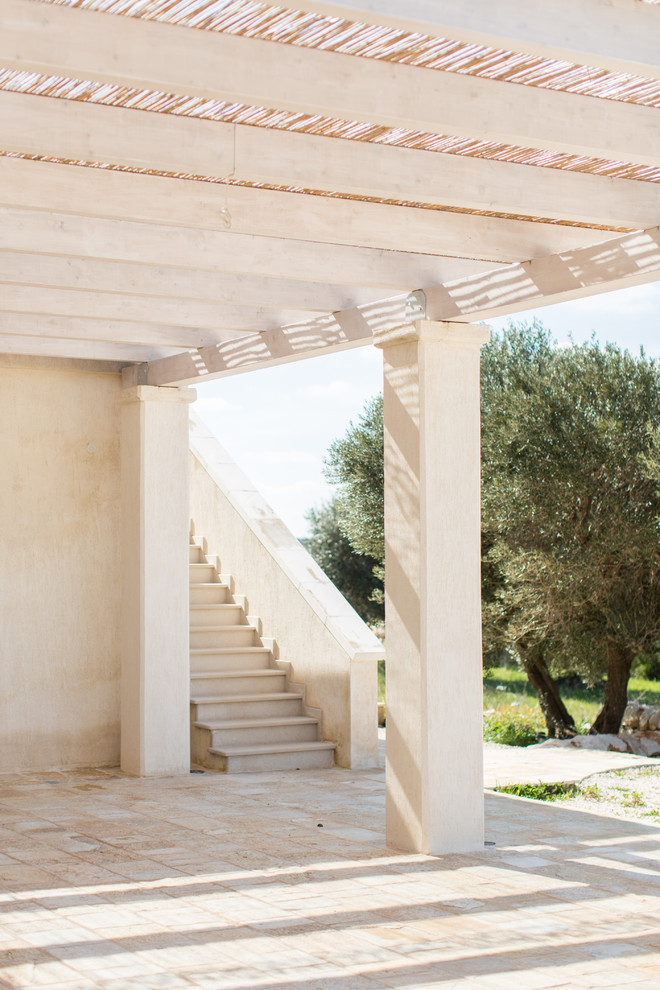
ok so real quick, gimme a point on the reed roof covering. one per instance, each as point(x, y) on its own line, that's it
point(592, 87)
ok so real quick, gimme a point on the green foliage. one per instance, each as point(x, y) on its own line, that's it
point(381, 680)
point(540, 791)
point(513, 725)
point(570, 504)
point(552, 792)
point(351, 572)
point(647, 665)
point(355, 464)
point(571, 508)
point(504, 686)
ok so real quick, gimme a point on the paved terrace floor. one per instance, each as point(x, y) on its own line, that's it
point(284, 881)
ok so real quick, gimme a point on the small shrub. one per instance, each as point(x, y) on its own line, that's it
point(633, 799)
point(513, 725)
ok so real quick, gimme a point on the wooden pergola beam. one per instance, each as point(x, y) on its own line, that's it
point(222, 252)
point(83, 191)
point(622, 262)
point(175, 285)
point(617, 264)
point(49, 329)
point(619, 37)
point(67, 129)
point(81, 350)
point(327, 335)
point(217, 319)
point(132, 52)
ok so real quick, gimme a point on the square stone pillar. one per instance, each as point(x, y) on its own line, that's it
point(155, 634)
point(434, 769)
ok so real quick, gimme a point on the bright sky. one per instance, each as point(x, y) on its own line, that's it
point(278, 423)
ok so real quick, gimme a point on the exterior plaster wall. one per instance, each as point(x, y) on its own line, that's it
point(60, 579)
point(331, 651)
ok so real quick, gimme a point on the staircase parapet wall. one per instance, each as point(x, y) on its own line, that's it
point(329, 647)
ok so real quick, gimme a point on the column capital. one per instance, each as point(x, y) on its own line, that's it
point(427, 331)
point(156, 393)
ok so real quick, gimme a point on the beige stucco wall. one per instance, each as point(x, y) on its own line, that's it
point(59, 577)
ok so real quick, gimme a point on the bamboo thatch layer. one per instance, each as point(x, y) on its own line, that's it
point(286, 26)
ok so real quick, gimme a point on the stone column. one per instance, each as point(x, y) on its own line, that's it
point(433, 590)
point(155, 640)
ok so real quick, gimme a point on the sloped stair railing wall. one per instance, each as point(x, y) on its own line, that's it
point(329, 647)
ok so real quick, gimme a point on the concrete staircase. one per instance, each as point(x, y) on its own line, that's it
point(245, 714)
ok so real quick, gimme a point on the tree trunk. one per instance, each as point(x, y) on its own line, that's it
point(619, 662)
point(558, 720)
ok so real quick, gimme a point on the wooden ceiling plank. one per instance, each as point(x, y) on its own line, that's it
point(111, 194)
point(217, 318)
point(131, 52)
point(68, 129)
point(81, 328)
point(92, 274)
point(45, 347)
point(183, 249)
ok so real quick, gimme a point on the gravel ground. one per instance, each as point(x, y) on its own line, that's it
point(622, 794)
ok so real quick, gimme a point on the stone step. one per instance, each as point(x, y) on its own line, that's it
point(276, 756)
point(236, 658)
point(223, 636)
point(206, 684)
point(270, 704)
point(210, 593)
point(242, 716)
point(202, 573)
point(260, 731)
point(224, 661)
point(222, 614)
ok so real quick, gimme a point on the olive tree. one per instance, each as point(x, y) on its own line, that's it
point(570, 499)
point(572, 510)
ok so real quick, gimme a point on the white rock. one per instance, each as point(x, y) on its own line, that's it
point(654, 720)
point(649, 744)
point(605, 741)
point(632, 714)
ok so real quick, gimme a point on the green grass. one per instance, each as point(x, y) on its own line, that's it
point(551, 792)
point(505, 687)
point(516, 718)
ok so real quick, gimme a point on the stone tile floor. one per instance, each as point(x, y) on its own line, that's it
point(284, 881)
